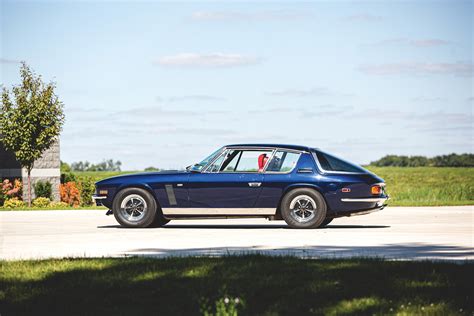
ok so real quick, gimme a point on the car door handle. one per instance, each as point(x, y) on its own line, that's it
point(255, 184)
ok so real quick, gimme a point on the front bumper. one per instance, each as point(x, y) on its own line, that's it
point(98, 199)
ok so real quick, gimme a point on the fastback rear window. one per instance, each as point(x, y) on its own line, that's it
point(330, 163)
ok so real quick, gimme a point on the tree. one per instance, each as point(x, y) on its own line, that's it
point(32, 121)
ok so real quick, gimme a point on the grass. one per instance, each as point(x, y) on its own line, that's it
point(264, 285)
point(428, 186)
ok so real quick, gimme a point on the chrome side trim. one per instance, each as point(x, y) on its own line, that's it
point(218, 211)
point(366, 200)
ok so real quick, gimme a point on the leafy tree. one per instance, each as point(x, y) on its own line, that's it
point(451, 160)
point(32, 121)
point(152, 169)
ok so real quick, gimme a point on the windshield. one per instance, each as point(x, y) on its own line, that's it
point(198, 166)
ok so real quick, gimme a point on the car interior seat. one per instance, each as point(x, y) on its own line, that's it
point(262, 160)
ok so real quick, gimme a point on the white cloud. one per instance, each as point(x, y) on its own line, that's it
point(419, 68)
point(247, 16)
point(316, 91)
point(195, 97)
point(207, 60)
point(363, 17)
point(422, 43)
point(9, 61)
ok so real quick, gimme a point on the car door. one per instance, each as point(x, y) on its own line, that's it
point(230, 185)
point(279, 173)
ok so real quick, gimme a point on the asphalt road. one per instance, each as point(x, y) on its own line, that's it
point(439, 233)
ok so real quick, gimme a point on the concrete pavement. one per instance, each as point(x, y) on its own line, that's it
point(438, 233)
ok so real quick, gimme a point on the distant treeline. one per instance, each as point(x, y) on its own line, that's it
point(451, 160)
point(106, 165)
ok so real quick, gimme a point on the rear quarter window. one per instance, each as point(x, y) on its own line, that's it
point(331, 163)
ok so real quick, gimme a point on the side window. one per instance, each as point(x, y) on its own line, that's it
point(245, 161)
point(216, 164)
point(331, 163)
point(283, 161)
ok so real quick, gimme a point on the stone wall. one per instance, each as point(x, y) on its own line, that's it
point(47, 168)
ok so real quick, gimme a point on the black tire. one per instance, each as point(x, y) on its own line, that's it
point(140, 220)
point(326, 222)
point(159, 219)
point(299, 197)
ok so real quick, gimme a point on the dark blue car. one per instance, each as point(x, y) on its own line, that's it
point(304, 186)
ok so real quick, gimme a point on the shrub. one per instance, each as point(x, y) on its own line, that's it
point(70, 194)
point(41, 202)
point(43, 189)
point(68, 177)
point(13, 203)
point(10, 190)
point(87, 188)
point(58, 205)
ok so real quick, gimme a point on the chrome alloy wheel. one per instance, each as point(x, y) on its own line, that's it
point(303, 208)
point(133, 207)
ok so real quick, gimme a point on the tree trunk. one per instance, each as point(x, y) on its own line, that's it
point(29, 187)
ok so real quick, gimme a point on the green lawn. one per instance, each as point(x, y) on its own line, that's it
point(428, 186)
point(264, 286)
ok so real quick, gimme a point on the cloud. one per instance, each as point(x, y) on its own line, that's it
point(9, 61)
point(428, 99)
point(363, 17)
point(196, 97)
point(207, 60)
point(421, 43)
point(316, 91)
point(419, 68)
point(248, 16)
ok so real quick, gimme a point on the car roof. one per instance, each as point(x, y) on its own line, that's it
point(285, 146)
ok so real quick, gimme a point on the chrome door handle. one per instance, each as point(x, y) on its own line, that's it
point(255, 184)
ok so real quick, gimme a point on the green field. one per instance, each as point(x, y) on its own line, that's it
point(264, 286)
point(428, 186)
point(419, 186)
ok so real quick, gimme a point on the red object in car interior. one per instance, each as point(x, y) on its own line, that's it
point(262, 160)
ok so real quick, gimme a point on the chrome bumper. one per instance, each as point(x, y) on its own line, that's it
point(98, 197)
point(377, 200)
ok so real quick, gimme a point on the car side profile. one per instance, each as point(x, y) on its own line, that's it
point(304, 186)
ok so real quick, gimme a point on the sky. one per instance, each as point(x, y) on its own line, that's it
point(166, 83)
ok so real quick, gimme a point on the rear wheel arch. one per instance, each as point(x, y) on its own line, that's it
point(294, 187)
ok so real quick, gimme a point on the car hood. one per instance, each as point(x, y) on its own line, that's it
point(141, 174)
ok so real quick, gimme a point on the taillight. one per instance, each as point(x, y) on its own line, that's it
point(376, 189)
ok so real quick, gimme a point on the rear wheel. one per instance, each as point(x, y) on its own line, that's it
point(326, 222)
point(134, 207)
point(303, 208)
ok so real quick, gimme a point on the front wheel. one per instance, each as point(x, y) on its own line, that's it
point(134, 207)
point(303, 208)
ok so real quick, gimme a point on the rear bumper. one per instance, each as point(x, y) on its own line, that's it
point(377, 200)
point(358, 212)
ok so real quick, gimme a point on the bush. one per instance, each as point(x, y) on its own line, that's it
point(68, 177)
point(70, 194)
point(58, 205)
point(10, 190)
point(13, 203)
point(43, 189)
point(41, 202)
point(87, 188)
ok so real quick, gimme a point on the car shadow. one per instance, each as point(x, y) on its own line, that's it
point(247, 226)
